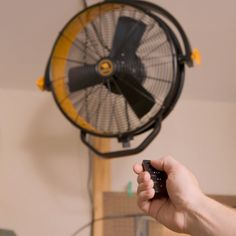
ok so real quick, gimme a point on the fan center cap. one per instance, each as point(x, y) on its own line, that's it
point(105, 67)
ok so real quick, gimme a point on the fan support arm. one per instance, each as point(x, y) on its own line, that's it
point(129, 152)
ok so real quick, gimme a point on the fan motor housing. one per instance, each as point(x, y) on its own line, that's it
point(105, 67)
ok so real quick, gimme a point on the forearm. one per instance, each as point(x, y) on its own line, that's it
point(210, 218)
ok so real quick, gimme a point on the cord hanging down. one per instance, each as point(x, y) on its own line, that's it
point(85, 4)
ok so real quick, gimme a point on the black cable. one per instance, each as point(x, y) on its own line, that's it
point(89, 187)
point(103, 219)
point(85, 3)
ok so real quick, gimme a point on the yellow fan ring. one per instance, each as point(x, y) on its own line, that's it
point(58, 67)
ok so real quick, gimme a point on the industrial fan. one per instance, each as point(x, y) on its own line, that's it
point(117, 70)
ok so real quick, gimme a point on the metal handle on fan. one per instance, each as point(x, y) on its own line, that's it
point(141, 147)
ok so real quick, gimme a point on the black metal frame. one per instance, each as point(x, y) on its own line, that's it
point(159, 10)
point(128, 152)
point(173, 96)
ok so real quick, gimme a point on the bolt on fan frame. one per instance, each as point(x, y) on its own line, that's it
point(163, 18)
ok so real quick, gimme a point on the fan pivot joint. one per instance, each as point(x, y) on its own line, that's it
point(125, 140)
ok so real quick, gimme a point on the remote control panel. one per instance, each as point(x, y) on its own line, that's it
point(159, 179)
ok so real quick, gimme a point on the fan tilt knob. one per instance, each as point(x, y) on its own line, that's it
point(105, 67)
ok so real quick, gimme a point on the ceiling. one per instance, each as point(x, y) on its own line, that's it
point(29, 29)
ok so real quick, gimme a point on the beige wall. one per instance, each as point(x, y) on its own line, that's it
point(31, 27)
point(43, 164)
point(202, 135)
point(43, 167)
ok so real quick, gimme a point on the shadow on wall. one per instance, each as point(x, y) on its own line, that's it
point(56, 153)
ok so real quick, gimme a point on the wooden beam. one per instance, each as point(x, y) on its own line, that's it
point(101, 176)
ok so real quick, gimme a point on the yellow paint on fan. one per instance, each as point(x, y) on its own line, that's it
point(41, 83)
point(196, 56)
point(62, 49)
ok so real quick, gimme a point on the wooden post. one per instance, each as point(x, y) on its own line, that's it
point(101, 175)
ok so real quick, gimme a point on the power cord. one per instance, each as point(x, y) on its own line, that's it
point(89, 187)
point(85, 3)
point(106, 218)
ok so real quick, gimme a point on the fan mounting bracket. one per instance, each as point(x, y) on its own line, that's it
point(125, 140)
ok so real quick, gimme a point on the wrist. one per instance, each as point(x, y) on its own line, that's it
point(210, 218)
point(197, 214)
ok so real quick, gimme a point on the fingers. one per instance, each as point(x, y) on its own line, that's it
point(143, 177)
point(137, 168)
point(144, 205)
point(145, 186)
point(144, 199)
point(145, 189)
point(146, 195)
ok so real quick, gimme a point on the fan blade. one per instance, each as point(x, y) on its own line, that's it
point(127, 37)
point(140, 100)
point(83, 77)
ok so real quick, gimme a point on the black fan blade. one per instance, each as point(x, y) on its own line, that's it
point(83, 77)
point(127, 37)
point(140, 100)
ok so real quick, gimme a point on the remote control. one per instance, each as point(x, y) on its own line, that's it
point(159, 179)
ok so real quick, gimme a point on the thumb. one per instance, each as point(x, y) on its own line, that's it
point(167, 164)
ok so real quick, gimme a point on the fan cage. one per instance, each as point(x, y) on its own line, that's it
point(97, 110)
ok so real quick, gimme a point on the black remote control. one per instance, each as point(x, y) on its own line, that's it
point(159, 179)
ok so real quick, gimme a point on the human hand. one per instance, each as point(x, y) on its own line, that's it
point(183, 190)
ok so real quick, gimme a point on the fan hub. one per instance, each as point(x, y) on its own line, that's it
point(105, 67)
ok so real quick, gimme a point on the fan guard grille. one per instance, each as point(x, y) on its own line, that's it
point(97, 108)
